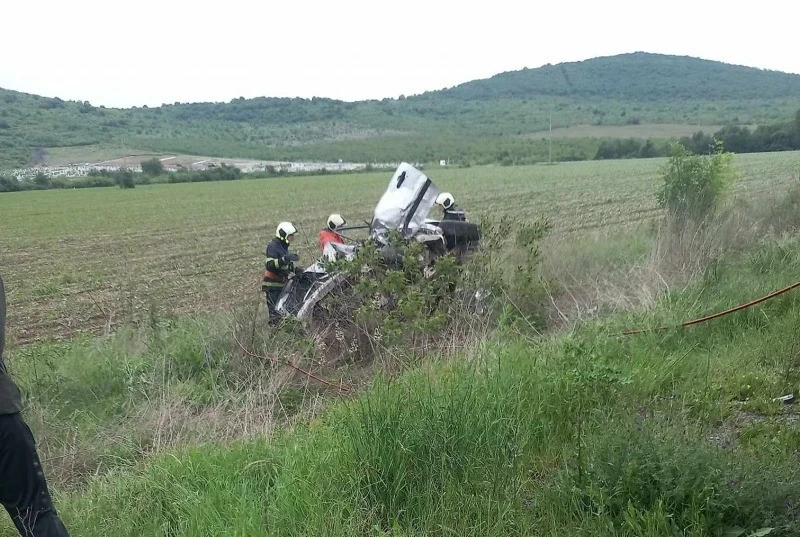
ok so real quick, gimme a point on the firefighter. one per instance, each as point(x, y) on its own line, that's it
point(279, 267)
point(23, 488)
point(450, 210)
point(329, 234)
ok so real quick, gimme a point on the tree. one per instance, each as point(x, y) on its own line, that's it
point(648, 150)
point(152, 167)
point(737, 139)
point(41, 180)
point(124, 178)
point(700, 143)
point(9, 184)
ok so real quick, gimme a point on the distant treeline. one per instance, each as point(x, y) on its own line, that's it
point(783, 136)
point(124, 178)
point(738, 139)
point(735, 138)
point(153, 173)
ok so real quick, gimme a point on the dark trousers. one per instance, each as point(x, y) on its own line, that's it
point(23, 489)
point(273, 294)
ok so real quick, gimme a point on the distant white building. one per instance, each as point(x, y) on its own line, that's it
point(442, 162)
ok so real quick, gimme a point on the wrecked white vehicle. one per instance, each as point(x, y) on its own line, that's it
point(403, 208)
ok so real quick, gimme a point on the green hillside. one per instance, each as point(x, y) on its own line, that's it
point(493, 120)
point(637, 77)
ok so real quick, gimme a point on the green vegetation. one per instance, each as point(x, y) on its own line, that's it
point(128, 178)
point(586, 433)
point(646, 77)
point(209, 237)
point(694, 185)
point(496, 120)
point(782, 136)
point(185, 425)
point(152, 167)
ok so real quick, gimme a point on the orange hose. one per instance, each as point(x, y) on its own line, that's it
point(715, 315)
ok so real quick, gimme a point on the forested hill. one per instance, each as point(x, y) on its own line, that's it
point(638, 76)
point(497, 119)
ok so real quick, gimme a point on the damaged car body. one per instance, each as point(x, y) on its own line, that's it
point(402, 209)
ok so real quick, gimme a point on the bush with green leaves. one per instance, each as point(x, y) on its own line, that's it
point(403, 295)
point(508, 268)
point(124, 178)
point(41, 181)
point(9, 184)
point(152, 166)
point(694, 185)
point(395, 291)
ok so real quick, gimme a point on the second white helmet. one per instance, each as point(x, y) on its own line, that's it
point(335, 221)
point(445, 199)
point(285, 229)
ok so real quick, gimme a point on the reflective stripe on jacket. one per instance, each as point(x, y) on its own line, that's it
point(278, 265)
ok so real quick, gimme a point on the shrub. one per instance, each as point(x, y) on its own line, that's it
point(152, 167)
point(42, 181)
point(393, 294)
point(403, 295)
point(9, 184)
point(124, 178)
point(694, 185)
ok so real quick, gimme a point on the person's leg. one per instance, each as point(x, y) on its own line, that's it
point(273, 294)
point(23, 489)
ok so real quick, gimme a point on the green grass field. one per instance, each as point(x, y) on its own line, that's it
point(78, 261)
point(584, 433)
point(166, 428)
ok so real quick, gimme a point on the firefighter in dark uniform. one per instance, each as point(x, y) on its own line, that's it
point(23, 489)
point(450, 210)
point(279, 267)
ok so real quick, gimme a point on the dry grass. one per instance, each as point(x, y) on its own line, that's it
point(602, 273)
point(252, 398)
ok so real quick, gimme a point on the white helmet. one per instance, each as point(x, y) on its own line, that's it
point(335, 221)
point(445, 199)
point(285, 229)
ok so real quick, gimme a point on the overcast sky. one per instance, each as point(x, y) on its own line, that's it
point(131, 53)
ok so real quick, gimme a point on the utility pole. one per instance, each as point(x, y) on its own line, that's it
point(550, 140)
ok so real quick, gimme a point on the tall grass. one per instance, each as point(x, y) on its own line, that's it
point(100, 404)
point(170, 429)
point(599, 274)
point(585, 433)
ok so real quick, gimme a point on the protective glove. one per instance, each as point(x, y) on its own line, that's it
point(293, 258)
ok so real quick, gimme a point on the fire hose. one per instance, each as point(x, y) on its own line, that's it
point(716, 315)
